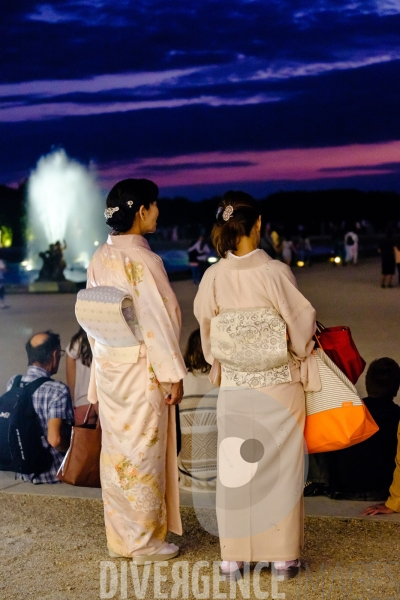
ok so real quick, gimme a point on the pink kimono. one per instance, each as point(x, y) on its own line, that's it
point(260, 327)
point(139, 474)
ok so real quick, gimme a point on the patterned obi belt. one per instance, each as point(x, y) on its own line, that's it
point(251, 345)
point(107, 315)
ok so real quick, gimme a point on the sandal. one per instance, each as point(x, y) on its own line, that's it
point(229, 568)
point(286, 569)
point(166, 552)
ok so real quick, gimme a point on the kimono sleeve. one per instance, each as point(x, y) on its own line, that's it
point(205, 308)
point(92, 390)
point(300, 318)
point(160, 276)
point(295, 309)
point(158, 315)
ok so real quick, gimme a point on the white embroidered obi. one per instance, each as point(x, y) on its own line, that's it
point(107, 315)
point(251, 345)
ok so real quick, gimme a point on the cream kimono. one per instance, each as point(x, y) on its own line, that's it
point(139, 473)
point(262, 337)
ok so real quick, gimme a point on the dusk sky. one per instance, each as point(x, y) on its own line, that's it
point(205, 96)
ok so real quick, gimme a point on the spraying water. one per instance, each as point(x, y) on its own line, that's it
point(64, 203)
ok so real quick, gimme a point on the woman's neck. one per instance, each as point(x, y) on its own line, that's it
point(244, 246)
point(134, 230)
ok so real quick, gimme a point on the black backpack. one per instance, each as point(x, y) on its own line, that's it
point(21, 448)
point(349, 240)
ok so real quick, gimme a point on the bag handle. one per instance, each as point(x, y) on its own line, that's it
point(318, 342)
point(35, 384)
point(318, 330)
point(86, 419)
point(17, 381)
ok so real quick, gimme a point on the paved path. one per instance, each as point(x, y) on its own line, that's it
point(343, 296)
point(314, 507)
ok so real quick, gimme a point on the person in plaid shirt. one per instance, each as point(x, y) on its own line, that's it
point(51, 401)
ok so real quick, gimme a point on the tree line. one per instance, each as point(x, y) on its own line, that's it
point(285, 209)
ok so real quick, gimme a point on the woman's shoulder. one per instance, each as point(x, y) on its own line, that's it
point(278, 267)
point(279, 274)
point(73, 351)
point(97, 254)
point(210, 273)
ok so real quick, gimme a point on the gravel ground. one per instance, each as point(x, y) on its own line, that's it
point(53, 548)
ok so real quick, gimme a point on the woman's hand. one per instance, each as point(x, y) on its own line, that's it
point(378, 509)
point(176, 393)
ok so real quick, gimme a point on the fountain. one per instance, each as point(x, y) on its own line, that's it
point(64, 203)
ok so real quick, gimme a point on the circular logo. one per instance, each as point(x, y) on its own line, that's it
point(261, 463)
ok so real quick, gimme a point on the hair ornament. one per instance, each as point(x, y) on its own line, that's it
point(108, 213)
point(228, 212)
point(129, 203)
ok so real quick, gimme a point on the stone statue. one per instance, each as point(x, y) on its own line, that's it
point(53, 263)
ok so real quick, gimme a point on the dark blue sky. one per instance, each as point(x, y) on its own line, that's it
point(202, 96)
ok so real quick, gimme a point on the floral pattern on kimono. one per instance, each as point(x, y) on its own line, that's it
point(138, 465)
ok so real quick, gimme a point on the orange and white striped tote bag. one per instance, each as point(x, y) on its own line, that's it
point(336, 417)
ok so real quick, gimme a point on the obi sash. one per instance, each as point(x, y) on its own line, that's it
point(251, 345)
point(107, 315)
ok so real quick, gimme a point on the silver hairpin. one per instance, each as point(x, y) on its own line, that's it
point(226, 215)
point(129, 203)
point(108, 213)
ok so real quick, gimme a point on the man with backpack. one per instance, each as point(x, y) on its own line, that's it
point(36, 415)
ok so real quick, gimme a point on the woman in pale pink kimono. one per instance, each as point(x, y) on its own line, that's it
point(257, 330)
point(139, 474)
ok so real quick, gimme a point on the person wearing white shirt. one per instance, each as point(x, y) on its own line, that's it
point(351, 245)
point(198, 254)
point(79, 360)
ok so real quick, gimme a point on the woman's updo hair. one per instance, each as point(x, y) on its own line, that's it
point(127, 197)
point(236, 216)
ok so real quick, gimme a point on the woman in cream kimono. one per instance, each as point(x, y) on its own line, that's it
point(257, 330)
point(139, 473)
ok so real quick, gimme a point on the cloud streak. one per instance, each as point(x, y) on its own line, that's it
point(290, 165)
point(125, 83)
point(119, 81)
point(38, 112)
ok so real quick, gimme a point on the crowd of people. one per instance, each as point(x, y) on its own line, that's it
point(252, 355)
point(292, 249)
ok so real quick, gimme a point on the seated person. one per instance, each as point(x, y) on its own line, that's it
point(197, 460)
point(365, 471)
point(79, 360)
point(392, 504)
point(51, 401)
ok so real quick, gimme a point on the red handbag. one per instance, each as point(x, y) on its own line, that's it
point(341, 349)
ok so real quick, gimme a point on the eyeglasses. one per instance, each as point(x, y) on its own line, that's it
point(62, 352)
